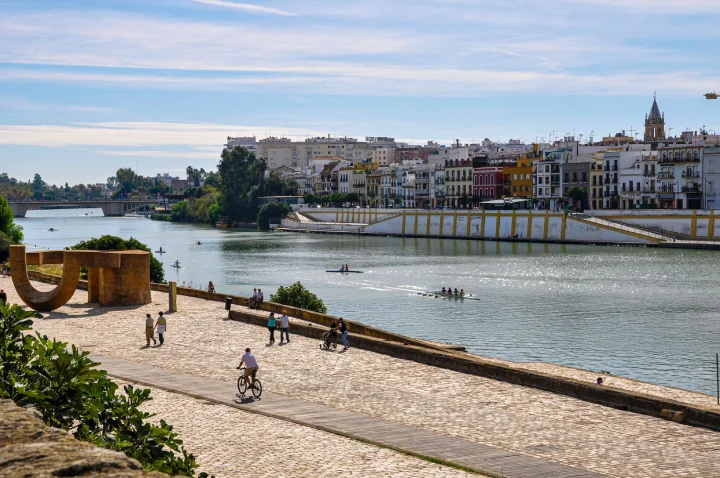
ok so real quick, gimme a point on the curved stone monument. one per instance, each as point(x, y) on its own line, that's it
point(114, 277)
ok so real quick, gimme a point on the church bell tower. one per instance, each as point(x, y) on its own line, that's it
point(655, 123)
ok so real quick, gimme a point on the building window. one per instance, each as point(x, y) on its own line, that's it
point(574, 177)
point(584, 176)
point(566, 177)
point(515, 177)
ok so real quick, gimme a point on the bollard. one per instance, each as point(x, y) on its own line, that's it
point(228, 303)
point(172, 296)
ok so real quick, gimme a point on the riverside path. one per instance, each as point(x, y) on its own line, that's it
point(202, 348)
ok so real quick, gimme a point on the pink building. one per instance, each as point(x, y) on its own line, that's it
point(487, 183)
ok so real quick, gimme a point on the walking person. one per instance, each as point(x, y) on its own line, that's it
point(272, 325)
point(161, 326)
point(284, 327)
point(344, 333)
point(149, 330)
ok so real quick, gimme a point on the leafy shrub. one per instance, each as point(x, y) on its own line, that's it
point(271, 211)
point(67, 391)
point(114, 243)
point(298, 296)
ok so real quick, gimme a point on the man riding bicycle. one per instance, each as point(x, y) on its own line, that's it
point(251, 366)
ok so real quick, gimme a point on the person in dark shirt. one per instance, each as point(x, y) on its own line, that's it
point(3, 297)
point(344, 333)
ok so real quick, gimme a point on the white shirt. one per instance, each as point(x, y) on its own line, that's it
point(249, 360)
point(255, 294)
point(284, 322)
point(260, 295)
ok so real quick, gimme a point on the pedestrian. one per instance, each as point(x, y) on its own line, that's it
point(253, 299)
point(344, 333)
point(284, 327)
point(149, 330)
point(3, 297)
point(272, 325)
point(161, 326)
point(211, 287)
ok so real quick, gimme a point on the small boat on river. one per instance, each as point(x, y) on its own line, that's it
point(445, 295)
point(347, 272)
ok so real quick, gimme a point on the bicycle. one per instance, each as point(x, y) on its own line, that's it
point(255, 385)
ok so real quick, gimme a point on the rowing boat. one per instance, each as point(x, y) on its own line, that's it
point(440, 295)
point(160, 252)
point(348, 272)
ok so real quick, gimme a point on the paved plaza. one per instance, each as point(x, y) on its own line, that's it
point(201, 341)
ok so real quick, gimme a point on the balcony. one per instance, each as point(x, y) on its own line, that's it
point(679, 159)
point(666, 175)
point(649, 174)
point(648, 190)
point(691, 175)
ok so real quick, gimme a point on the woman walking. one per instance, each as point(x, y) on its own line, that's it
point(272, 325)
point(161, 326)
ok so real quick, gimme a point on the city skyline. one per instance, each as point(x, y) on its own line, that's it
point(87, 87)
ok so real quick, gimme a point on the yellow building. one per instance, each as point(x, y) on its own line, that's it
point(518, 179)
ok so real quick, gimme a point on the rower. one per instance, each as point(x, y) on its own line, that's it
point(449, 290)
point(456, 292)
point(177, 264)
point(462, 292)
point(443, 291)
point(346, 268)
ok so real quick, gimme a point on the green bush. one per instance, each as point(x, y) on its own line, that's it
point(114, 243)
point(7, 223)
point(67, 390)
point(271, 211)
point(298, 296)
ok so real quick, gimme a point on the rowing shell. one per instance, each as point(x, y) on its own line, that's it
point(160, 252)
point(348, 272)
point(445, 296)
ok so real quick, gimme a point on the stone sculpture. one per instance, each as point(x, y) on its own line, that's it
point(115, 278)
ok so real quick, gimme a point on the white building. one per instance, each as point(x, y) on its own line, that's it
point(711, 176)
point(247, 142)
point(680, 176)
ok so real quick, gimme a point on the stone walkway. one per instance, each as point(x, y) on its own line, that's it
point(465, 453)
point(229, 442)
point(201, 342)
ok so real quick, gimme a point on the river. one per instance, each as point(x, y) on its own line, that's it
point(643, 313)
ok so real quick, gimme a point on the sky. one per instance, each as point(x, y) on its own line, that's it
point(89, 86)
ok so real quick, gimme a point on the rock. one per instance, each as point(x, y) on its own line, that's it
point(29, 448)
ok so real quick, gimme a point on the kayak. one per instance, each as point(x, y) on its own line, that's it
point(160, 252)
point(348, 272)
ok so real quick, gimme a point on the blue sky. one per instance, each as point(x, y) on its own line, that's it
point(88, 86)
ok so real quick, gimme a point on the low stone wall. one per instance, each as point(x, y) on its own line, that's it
point(474, 365)
point(30, 448)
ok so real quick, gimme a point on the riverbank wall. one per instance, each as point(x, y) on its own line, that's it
point(661, 228)
point(454, 358)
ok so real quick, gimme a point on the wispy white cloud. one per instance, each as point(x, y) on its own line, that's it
point(200, 137)
point(248, 7)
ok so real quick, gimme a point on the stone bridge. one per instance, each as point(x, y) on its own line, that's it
point(109, 208)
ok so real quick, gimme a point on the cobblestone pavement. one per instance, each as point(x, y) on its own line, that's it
point(229, 443)
point(200, 341)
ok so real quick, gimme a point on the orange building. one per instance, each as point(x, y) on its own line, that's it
point(518, 179)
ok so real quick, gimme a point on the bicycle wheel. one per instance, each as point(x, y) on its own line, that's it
point(242, 386)
point(257, 388)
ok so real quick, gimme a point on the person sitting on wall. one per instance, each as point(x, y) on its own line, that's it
point(259, 298)
point(211, 288)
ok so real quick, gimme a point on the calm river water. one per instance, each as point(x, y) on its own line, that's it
point(643, 313)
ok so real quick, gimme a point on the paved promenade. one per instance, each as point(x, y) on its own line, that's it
point(555, 428)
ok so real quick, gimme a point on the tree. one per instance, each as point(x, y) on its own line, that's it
point(38, 183)
point(241, 175)
point(271, 211)
point(7, 223)
point(115, 243)
point(578, 194)
point(298, 296)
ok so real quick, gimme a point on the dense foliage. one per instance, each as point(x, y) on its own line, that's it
point(298, 296)
point(271, 211)
point(114, 243)
point(7, 223)
point(201, 206)
point(242, 182)
point(67, 390)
